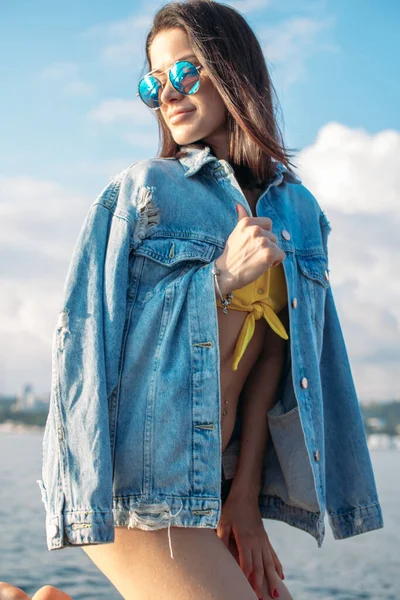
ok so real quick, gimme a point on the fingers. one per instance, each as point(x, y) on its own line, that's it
point(250, 564)
point(270, 573)
point(271, 236)
point(258, 573)
point(264, 222)
point(245, 557)
point(277, 562)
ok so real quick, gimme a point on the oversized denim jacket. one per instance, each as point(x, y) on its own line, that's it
point(133, 434)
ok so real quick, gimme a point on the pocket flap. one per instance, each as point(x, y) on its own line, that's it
point(314, 267)
point(169, 251)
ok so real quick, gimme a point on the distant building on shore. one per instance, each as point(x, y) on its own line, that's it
point(28, 401)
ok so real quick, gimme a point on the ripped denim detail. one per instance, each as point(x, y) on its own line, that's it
point(149, 214)
point(62, 327)
point(149, 518)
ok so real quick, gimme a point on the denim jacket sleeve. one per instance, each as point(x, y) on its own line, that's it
point(351, 496)
point(77, 463)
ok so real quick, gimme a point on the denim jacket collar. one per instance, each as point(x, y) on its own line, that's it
point(196, 158)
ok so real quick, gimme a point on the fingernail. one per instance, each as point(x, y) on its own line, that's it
point(283, 577)
point(276, 595)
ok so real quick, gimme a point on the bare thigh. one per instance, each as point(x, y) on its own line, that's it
point(138, 563)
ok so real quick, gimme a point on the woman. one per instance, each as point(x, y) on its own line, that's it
point(176, 307)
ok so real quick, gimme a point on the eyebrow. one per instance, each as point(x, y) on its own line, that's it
point(163, 71)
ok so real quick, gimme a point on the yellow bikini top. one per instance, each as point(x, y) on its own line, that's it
point(261, 298)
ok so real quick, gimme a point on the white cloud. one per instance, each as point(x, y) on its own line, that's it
point(59, 71)
point(354, 176)
point(362, 169)
point(113, 110)
point(39, 223)
point(122, 42)
point(249, 6)
point(79, 88)
point(131, 121)
point(66, 74)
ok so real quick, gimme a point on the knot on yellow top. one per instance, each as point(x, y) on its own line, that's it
point(260, 299)
point(259, 309)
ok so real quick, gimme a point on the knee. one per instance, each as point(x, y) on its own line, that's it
point(49, 592)
point(10, 592)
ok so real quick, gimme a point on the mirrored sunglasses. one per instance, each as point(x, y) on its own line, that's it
point(184, 76)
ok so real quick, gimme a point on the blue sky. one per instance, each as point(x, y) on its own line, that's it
point(71, 121)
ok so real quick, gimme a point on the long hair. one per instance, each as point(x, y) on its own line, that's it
point(228, 49)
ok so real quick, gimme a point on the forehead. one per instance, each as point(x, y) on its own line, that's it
point(168, 46)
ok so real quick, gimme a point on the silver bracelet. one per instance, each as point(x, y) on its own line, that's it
point(224, 301)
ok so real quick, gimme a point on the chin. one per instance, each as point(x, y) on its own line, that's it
point(182, 138)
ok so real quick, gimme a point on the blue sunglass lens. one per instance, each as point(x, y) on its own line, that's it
point(149, 90)
point(184, 77)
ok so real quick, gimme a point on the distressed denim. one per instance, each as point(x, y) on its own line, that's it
point(133, 434)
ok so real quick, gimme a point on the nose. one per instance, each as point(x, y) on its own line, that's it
point(169, 93)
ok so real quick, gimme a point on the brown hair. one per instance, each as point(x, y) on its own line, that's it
point(228, 49)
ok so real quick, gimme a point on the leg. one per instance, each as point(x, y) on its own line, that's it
point(139, 565)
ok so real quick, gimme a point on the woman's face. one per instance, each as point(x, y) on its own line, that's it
point(206, 120)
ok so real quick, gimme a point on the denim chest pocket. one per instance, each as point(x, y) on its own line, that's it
point(166, 260)
point(314, 279)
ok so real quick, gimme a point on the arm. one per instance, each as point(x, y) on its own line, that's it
point(352, 500)
point(259, 395)
point(76, 480)
point(351, 496)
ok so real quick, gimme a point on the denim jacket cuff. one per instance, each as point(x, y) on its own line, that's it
point(354, 522)
point(78, 528)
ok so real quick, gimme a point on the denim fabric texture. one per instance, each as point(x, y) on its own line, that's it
point(133, 435)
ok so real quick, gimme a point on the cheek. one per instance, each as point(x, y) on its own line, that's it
point(212, 107)
point(213, 110)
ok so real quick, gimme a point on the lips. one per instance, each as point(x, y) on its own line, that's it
point(179, 112)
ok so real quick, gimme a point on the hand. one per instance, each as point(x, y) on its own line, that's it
point(250, 250)
point(241, 521)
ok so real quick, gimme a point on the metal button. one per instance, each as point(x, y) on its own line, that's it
point(53, 530)
point(304, 382)
point(260, 291)
point(327, 275)
point(316, 455)
point(294, 302)
point(285, 234)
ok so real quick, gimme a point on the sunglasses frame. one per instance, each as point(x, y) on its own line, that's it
point(198, 68)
